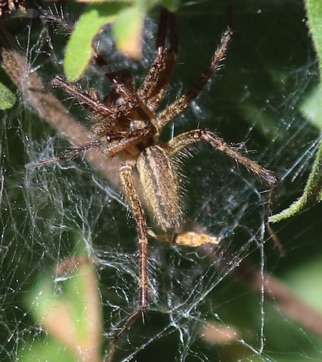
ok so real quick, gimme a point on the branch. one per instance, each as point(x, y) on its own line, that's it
point(274, 290)
point(49, 107)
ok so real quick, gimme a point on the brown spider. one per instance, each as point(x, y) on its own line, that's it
point(127, 122)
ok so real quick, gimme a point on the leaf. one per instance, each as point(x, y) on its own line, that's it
point(171, 5)
point(314, 13)
point(128, 17)
point(44, 351)
point(72, 317)
point(312, 109)
point(7, 98)
point(79, 49)
point(127, 31)
point(312, 193)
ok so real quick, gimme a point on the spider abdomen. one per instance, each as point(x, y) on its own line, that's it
point(159, 179)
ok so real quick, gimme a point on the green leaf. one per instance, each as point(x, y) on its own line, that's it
point(128, 17)
point(44, 351)
point(311, 109)
point(79, 48)
point(72, 316)
point(127, 31)
point(312, 193)
point(304, 280)
point(171, 5)
point(314, 14)
point(7, 98)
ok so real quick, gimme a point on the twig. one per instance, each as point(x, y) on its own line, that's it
point(49, 107)
point(274, 290)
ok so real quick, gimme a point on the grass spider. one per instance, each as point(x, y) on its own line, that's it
point(127, 121)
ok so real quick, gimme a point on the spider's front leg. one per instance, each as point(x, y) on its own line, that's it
point(132, 198)
point(156, 82)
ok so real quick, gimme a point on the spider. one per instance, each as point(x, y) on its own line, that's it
point(128, 122)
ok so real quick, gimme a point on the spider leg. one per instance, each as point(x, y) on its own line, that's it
point(92, 103)
point(151, 79)
point(163, 84)
point(158, 77)
point(132, 197)
point(182, 102)
point(190, 137)
point(120, 141)
point(118, 84)
point(109, 145)
point(65, 156)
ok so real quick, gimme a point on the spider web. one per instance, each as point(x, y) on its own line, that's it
point(199, 310)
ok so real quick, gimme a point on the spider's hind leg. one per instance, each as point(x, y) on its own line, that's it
point(142, 230)
point(185, 139)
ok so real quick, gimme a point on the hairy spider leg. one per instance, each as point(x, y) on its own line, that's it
point(151, 79)
point(185, 139)
point(182, 102)
point(109, 145)
point(133, 200)
point(120, 141)
point(66, 156)
point(112, 112)
point(126, 173)
point(155, 84)
point(162, 87)
point(118, 84)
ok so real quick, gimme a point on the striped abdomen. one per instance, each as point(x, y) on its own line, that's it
point(159, 179)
